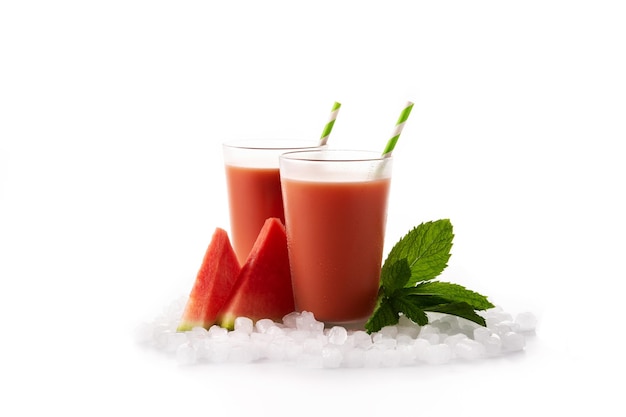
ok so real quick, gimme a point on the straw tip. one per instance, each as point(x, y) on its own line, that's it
point(407, 109)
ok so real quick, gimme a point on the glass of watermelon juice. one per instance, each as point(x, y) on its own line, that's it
point(335, 212)
point(253, 186)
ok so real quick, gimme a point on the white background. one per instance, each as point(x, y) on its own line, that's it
point(111, 184)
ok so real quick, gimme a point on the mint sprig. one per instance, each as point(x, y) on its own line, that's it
point(407, 287)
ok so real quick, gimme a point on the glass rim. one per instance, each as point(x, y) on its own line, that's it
point(272, 144)
point(301, 155)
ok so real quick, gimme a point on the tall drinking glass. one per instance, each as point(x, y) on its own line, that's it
point(253, 184)
point(335, 212)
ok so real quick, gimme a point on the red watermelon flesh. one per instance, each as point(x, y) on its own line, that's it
point(263, 289)
point(213, 285)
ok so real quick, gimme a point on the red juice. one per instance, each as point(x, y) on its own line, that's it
point(254, 194)
point(335, 232)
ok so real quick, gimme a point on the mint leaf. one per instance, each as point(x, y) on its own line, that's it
point(426, 249)
point(450, 292)
point(406, 285)
point(384, 315)
point(459, 309)
point(422, 301)
point(410, 308)
point(395, 276)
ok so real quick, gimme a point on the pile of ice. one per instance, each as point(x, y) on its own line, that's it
point(301, 340)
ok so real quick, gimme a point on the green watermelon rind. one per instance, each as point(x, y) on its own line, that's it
point(186, 326)
point(228, 321)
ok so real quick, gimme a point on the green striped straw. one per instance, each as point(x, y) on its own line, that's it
point(330, 124)
point(398, 129)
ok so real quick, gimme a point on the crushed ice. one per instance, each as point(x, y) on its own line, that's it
point(302, 340)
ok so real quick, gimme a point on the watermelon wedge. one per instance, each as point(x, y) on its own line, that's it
point(213, 285)
point(263, 289)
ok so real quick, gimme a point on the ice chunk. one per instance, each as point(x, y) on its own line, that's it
point(420, 346)
point(437, 354)
point(312, 345)
point(274, 331)
point(242, 353)
point(467, 328)
point(481, 334)
point(277, 348)
point(244, 324)
point(217, 332)
point(197, 333)
point(239, 336)
point(261, 342)
point(337, 335)
point(505, 326)
point(432, 338)
point(202, 347)
point(513, 341)
point(447, 324)
point(308, 360)
point(169, 340)
point(186, 354)
point(489, 339)
point(404, 321)
point(361, 339)
point(197, 336)
point(496, 315)
point(389, 331)
point(404, 339)
point(469, 349)
point(453, 339)
point(407, 353)
point(354, 358)
point(385, 343)
point(263, 325)
point(390, 358)
point(217, 350)
point(527, 321)
point(292, 349)
point(410, 331)
point(408, 327)
point(373, 358)
point(298, 336)
point(306, 321)
point(331, 357)
point(493, 344)
point(428, 329)
point(289, 320)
